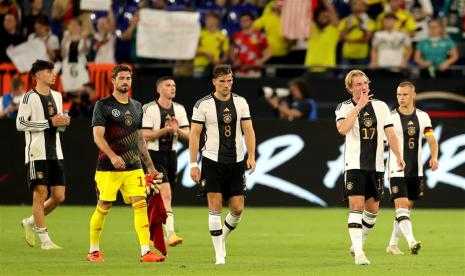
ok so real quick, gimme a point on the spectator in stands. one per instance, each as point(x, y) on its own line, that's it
point(10, 7)
point(390, 47)
point(437, 52)
point(405, 20)
point(103, 43)
point(42, 32)
point(10, 36)
point(30, 18)
point(270, 23)
point(249, 48)
point(233, 15)
point(356, 31)
point(218, 6)
point(213, 46)
point(83, 102)
point(9, 102)
point(74, 48)
point(63, 11)
point(321, 50)
point(300, 105)
point(120, 18)
point(422, 11)
point(454, 21)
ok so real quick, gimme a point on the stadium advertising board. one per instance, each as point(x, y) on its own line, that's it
point(298, 164)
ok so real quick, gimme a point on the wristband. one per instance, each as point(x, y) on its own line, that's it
point(194, 165)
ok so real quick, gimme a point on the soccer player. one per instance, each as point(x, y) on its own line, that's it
point(40, 116)
point(407, 186)
point(225, 116)
point(117, 122)
point(362, 121)
point(163, 123)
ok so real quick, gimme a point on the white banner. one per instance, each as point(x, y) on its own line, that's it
point(95, 5)
point(167, 35)
point(26, 53)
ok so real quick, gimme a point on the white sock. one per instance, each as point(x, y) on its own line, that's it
point(93, 248)
point(405, 225)
point(30, 220)
point(43, 235)
point(144, 249)
point(368, 221)
point(169, 225)
point(230, 223)
point(355, 231)
point(395, 233)
point(214, 224)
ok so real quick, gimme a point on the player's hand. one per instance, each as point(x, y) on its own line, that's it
point(153, 183)
point(400, 164)
point(60, 120)
point(443, 67)
point(251, 165)
point(365, 98)
point(195, 175)
point(433, 164)
point(118, 162)
point(173, 123)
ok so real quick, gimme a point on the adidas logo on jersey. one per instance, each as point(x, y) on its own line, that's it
point(410, 123)
point(226, 110)
point(366, 114)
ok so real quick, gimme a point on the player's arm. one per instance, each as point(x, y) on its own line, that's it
point(183, 133)
point(249, 137)
point(150, 134)
point(346, 124)
point(102, 144)
point(24, 123)
point(394, 144)
point(194, 139)
point(434, 148)
point(144, 154)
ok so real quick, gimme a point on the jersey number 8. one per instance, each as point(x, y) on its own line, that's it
point(227, 131)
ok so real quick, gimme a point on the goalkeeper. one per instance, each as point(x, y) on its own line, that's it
point(116, 124)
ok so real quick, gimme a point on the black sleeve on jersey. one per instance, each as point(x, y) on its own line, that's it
point(390, 125)
point(198, 122)
point(246, 118)
point(98, 118)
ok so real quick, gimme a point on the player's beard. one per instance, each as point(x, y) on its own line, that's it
point(123, 89)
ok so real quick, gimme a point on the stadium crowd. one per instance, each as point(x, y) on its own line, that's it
point(386, 36)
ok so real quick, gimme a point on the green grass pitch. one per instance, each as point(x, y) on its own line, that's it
point(269, 241)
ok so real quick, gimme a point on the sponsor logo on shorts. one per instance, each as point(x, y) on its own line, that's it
point(40, 175)
point(349, 186)
point(395, 189)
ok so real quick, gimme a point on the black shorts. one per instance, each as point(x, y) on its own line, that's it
point(227, 179)
point(45, 172)
point(166, 162)
point(364, 183)
point(411, 187)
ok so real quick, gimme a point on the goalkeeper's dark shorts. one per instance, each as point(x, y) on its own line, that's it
point(227, 179)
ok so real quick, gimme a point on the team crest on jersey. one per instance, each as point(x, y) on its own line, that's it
point(227, 118)
point(411, 128)
point(367, 120)
point(128, 118)
point(395, 189)
point(115, 113)
point(40, 175)
point(349, 186)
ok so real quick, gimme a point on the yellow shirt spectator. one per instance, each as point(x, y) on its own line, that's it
point(405, 21)
point(271, 24)
point(355, 50)
point(213, 43)
point(321, 50)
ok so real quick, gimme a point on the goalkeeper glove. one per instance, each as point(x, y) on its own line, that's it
point(152, 184)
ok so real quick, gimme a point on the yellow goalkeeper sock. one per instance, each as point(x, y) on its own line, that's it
point(96, 226)
point(141, 223)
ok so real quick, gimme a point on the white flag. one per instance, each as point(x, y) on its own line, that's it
point(95, 5)
point(167, 35)
point(25, 54)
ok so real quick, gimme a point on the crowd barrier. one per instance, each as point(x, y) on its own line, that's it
point(298, 164)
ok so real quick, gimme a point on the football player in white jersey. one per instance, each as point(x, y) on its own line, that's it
point(410, 124)
point(363, 121)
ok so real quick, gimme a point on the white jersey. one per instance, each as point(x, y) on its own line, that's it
point(154, 119)
point(34, 113)
point(409, 130)
point(364, 143)
point(390, 47)
point(222, 121)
